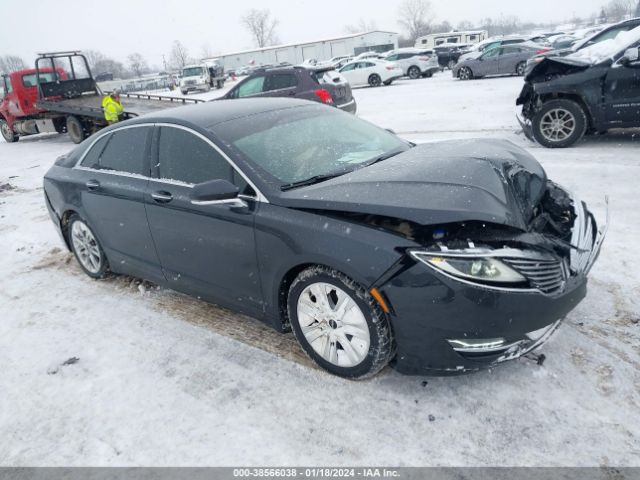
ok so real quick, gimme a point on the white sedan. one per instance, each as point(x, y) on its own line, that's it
point(371, 72)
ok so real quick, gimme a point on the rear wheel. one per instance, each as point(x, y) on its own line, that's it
point(520, 69)
point(465, 73)
point(338, 324)
point(559, 123)
point(86, 248)
point(184, 92)
point(75, 129)
point(388, 82)
point(375, 80)
point(414, 73)
point(8, 134)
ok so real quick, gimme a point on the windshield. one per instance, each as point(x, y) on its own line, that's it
point(192, 72)
point(31, 80)
point(601, 51)
point(292, 145)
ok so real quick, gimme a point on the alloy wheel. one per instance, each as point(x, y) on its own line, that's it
point(520, 69)
point(557, 125)
point(465, 73)
point(86, 247)
point(333, 324)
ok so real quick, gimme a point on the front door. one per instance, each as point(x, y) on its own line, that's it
point(622, 95)
point(205, 250)
point(488, 63)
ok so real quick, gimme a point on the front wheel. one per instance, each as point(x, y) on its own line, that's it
point(414, 73)
point(338, 324)
point(8, 134)
point(520, 69)
point(465, 73)
point(559, 123)
point(87, 248)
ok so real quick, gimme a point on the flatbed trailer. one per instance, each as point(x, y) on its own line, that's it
point(61, 95)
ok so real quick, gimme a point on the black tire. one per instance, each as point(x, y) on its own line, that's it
point(451, 64)
point(521, 68)
point(427, 75)
point(8, 134)
point(76, 129)
point(414, 73)
point(184, 92)
point(573, 117)
point(220, 84)
point(381, 346)
point(375, 80)
point(465, 73)
point(388, 82)
point(103, 269)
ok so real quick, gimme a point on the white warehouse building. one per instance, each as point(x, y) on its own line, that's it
point(320, 50)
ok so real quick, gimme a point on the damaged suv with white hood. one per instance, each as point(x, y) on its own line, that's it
point(440, 258)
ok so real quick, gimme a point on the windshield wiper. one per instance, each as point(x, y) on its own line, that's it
point(383, 157)
point(311, 181)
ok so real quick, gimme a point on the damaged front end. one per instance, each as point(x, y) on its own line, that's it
point(495, 293)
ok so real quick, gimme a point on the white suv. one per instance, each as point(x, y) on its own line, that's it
point(415, 63)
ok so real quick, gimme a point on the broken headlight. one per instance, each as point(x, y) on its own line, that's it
point(473, 268)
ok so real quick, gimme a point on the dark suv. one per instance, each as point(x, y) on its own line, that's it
point(323, 85)
point(592, 90)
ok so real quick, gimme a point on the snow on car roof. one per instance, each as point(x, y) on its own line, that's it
point(601, 51)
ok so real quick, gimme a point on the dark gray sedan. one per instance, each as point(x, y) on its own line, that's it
point(507, 60)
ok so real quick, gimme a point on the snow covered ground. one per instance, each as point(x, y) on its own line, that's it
point(119, 372)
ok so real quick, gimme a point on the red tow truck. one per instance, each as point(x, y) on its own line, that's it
point(60, 95)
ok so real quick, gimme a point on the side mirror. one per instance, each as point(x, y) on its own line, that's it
point(631, 56)
point(216, 192)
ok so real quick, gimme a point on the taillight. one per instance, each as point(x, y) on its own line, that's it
point(323, 95)
point(424, 59)
point(390, 67)
point(543, 50)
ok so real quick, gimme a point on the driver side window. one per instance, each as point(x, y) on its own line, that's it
point(492, 53)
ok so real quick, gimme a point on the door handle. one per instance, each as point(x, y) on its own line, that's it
point(93, 184)
point(162, 197)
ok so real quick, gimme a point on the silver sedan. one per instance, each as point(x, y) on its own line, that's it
point(507, 60)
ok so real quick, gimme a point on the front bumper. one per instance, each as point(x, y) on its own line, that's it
point(527, 128)
point(444, 326)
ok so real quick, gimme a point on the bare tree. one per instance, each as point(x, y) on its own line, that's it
point(465, 25)
point(362, 26)
point(11, 63)
point(179, 55)
point(137, 64)
point(620, 9)
point(416, 16)
point(261, 27)
point(100, 63)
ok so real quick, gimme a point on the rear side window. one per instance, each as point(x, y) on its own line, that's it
point(122, 151)
point(278, 81)
point(187, 158)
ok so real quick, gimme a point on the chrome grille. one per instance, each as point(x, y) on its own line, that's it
point(548, 276)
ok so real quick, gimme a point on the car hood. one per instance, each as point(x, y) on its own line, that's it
point(453, 181)
point(556, 65)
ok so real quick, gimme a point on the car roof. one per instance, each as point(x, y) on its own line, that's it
point(207, 114)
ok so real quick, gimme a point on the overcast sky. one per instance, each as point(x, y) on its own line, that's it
point(120, 27)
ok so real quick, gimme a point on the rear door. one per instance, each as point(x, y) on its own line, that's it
point(281, 84)
point(622, 95)
point(205, 250)
point(510, 56)
point(115, 174)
